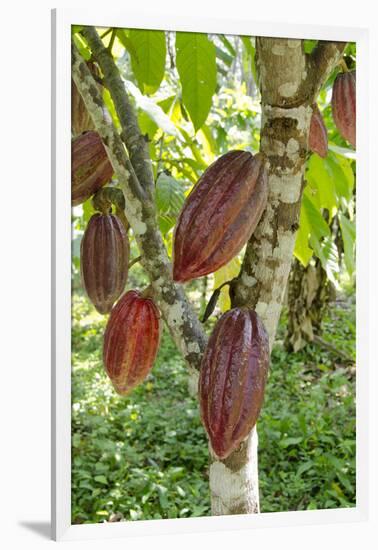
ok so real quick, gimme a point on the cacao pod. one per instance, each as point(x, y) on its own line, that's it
point(220, 214)
point(344, 105)
point(81, 120)
point(318, 138)
point(232, 380)
point(131, 341)
point(104, 260)
point(91, 168)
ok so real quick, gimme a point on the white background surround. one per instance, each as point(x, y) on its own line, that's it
point(25, 219)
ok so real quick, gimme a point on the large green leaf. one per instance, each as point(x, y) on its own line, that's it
point(312, 228)
point(342, 174)
point(148, 53)
point(169, 200)
point(348, 231)
point(196, 65)
point(322, 184)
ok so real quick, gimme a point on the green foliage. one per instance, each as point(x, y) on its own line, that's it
point(148, 52)
point(196, 65)
point(169, 200)
point(145, 456)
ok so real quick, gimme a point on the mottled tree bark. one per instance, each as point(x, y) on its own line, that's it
point(289, 83)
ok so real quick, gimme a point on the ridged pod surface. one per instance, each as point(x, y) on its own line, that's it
point(131, 341)
point(104, 260)
point(81, 120)
point(232, 380)
point(318, 138)
point(90, 168)
point(220, 214)
point(344, 105)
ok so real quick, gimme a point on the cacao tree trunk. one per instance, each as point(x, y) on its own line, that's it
point(289, 81)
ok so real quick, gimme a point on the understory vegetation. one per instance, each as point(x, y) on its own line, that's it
point(145, 456)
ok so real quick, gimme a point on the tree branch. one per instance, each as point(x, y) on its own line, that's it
point(133, 139)
point(140, 211)
point(320, 63)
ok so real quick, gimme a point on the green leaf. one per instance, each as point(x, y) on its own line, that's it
point(82, 47)
point(290, 441)
point(148, 52)
point(322, 184)
point(101, 479)
point(309, 45)
point(226, 273)
point(347, 153)
point(313, 226)
point(225, 41)
point(223, 56)
point(251, 52)
point(169, 200)
point(342, 174)
point(301, 250)
point(146, 124)
point(154, 111)
point(348, 232)
point(196, 65)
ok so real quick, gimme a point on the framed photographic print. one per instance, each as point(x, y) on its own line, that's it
point(207, 204)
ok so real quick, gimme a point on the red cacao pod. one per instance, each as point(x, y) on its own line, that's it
point(220, 214)
point(131, 341)
point(91, 168)
point(318, 138)
point(232, 380)
point(344, 105)
point(81, 120)
point(104, 260)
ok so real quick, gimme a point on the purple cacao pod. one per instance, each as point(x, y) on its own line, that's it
point(91, 168)
point(131, 341)
point(104, 260)
point(232, 380)
point(344, 105)
point(220, 214)
point(318, 138)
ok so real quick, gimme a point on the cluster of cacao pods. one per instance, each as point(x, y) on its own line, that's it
point(132, 333)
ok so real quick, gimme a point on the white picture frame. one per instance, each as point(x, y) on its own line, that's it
point(61, 273)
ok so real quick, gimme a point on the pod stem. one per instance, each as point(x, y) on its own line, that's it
point(344, 66)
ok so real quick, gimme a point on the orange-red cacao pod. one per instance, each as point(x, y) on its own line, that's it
point(131, 341)
point(220, 214)
point(90, 166)
point(233, 373)
point(318, 138)
point(104, 260)
point(344, 105)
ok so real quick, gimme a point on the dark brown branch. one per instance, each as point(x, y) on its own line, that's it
point(131, 135)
